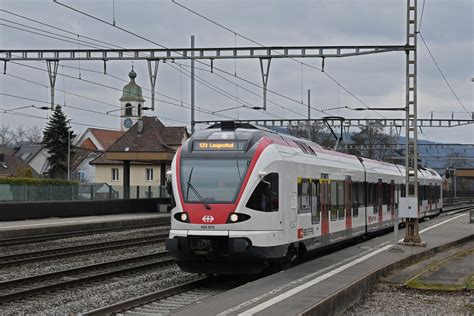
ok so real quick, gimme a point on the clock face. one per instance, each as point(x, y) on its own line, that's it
point(128, 123)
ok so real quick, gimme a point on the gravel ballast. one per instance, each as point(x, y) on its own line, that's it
point(386, 299)
point(89, 297)
point(82, 240)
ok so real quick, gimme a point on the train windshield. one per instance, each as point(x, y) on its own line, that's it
point(212, 180)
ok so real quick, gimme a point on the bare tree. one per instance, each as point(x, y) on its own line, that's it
point(34, 135)
point(319, 134)
point(5, 135)
point(368, 140)
point(19, 136)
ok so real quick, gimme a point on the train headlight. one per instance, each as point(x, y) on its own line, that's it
point(234, 217)
point(182, 217)
point(237, 217)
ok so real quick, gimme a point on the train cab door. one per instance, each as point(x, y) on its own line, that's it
point(324, 190)
point(380, 199)
point(348, 202)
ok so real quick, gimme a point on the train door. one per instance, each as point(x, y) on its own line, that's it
point(392, 199)
point(430, 201)
point(380, 199)
point(348, 202)
point(324, 190)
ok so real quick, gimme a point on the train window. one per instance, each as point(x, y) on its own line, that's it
point(355, 193)
point(304, 196)
point(370, 194)
point(340, 200)
point(265, 196)
point(333, 185)
point(355, 199)
point(340, 213)
point(361, 186)
point(333, 193)
point(315, 203)
point(333, 213)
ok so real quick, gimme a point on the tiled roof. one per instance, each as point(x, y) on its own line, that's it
point(153, 137)
point(28, 152)
point(80, 154)
point(6, 150)
point(106, 137)
point(10, 165)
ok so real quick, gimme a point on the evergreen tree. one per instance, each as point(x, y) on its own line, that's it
point(55, 138)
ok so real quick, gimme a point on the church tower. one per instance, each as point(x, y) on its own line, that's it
point(131, 103)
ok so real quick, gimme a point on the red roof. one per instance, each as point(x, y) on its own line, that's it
point(106, 137)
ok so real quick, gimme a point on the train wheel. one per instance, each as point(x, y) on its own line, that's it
point(290, 258)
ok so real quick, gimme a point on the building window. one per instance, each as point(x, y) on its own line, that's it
point(149, 174)
point(115, 174)
point(128, 109)
point(139, 109)
point(81, 176)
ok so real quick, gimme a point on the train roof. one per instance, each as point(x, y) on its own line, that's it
point(371, 165)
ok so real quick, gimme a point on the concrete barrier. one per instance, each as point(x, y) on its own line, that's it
point(32, 210)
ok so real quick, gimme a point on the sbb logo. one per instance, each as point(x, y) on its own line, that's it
point(208, 219)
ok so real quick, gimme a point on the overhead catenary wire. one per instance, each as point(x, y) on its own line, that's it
point(5, 111)
point(225, 93)
point(443, 75)
point(242, 87)
point(82, 42)
point(118, 89)
point(146, 39)
point(58, 28)
point(210, 112)
point(265, 46)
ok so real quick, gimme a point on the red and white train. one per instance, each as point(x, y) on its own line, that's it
point(247, 197)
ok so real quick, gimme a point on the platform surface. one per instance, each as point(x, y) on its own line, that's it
point(31, 227)
point(300, 288)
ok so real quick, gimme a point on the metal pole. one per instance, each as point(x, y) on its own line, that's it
point(68, 154)
point(412, 235)
point(192, 85)
point(309, 114)
point(52, 66)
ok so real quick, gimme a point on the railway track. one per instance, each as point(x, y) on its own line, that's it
point(61, 252)
point(29, 287)
point(165, 301)
point(48, 237)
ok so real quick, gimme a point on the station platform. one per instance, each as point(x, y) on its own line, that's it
point(54, 225)
point(330, 284)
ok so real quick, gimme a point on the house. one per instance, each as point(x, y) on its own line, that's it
point(36, 156)
point(141, 156)
point(81, 169)
point(13, 166)
point(98, 139)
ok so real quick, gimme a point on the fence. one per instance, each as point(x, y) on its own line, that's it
point(79, 192)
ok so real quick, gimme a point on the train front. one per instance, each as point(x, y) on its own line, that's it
point(212, 230)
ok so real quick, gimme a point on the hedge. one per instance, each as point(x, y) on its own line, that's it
point(36, 181)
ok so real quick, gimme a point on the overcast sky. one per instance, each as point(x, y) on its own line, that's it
point(378, 80)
